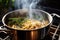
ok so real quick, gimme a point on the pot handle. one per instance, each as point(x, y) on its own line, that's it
point(54, 14)
point(3, 28)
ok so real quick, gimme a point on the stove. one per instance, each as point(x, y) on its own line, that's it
point(53, 34)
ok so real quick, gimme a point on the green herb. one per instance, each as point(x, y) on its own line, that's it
point(16, 21)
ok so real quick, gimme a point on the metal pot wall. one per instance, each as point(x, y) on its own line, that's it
point(35, 34)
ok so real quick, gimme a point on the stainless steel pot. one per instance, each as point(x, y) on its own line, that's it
point(34, 34)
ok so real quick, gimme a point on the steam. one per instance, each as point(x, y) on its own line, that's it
point(26, 4)
point(21, 4)
point(32, 5)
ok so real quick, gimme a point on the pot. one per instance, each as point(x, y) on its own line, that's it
point(34, 34)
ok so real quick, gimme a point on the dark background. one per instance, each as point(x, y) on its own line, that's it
point(51, 3)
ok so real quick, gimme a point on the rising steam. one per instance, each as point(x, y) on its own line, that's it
point(26, 4)
point(20, 4)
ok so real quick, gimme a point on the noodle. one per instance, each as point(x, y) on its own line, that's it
point(30, 24)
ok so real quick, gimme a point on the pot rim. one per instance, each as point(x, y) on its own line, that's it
point(50, 18)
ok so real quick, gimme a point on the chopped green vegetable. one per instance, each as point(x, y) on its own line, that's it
point(16, 21)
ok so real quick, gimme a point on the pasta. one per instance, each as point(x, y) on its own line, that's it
point(30, 24)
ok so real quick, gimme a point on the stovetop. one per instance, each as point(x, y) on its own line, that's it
point(52, 35)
